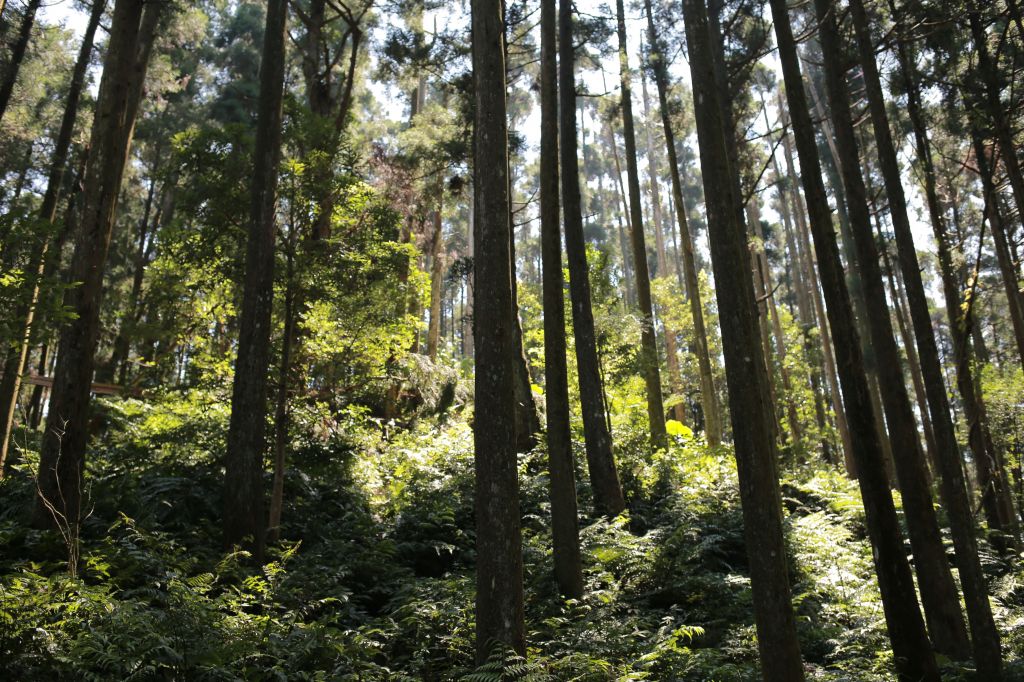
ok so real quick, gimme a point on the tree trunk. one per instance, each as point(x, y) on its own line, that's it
point(243, 499)
point(62, 455)
point(938, 591)
point(671, 346)
point(620, 193)
point(828, 358)
point(914, 658)
point(561, 469)
point(753, 433)
point(18, 54)
point(648, 340)
point(436, 280)
point(282, 415)
point(604, 479)
point(499, 562)
point(10, 384)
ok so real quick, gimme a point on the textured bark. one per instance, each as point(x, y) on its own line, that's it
point(604, 478)
point(499, 567)
point(914, 658)
point(938, 591)
point(244, 520)
point(62, 454)
point(10, 384)
point(648, 340)
point(565, 537)
point(753, 433)
point(10, 78)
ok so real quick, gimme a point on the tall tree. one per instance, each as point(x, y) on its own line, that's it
point(984, 635)
point(708, 394)
point(753, 432)
point(499, 559)
point(62, 455)
point(938, 591)
point(14, 366)
point(999, 502)
point(564, 524)
point(914, 657)
point(604, 478)
point(244, 521)
point(648, 340)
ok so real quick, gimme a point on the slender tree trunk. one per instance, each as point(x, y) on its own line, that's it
point(62, 454)
point(436, 280)
point(753, 433)
point(10, 78)
point(119, 357)
point(803, 302)
point(988, 70)
point(910, 347)
point(767, 286)
point(828, 357)
point(564, 523)
point(648, 340)
point(671, 347)
point(830, 164)
point(499, 563)
point(10, 384)
point(620, 193)
point(527, 419)
point(987, 650)
point(604, 478)
point(243, 499)
point(282, 415)
point(914, 658)
point(1014, 300)
point(938, 591)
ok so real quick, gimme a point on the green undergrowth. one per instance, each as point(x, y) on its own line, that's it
point(373, 578)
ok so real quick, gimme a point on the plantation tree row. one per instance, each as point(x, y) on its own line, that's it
point(809, 214)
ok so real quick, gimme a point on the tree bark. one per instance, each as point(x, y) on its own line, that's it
point(499, 568)
point(753, 433)
point(648, 340)
point(561, 468)
point(914, 658)
point(604, 478)
point(243, 496)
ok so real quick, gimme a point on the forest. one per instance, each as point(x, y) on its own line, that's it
point(493, 340)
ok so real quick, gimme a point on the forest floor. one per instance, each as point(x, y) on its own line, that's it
point(374, 577)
